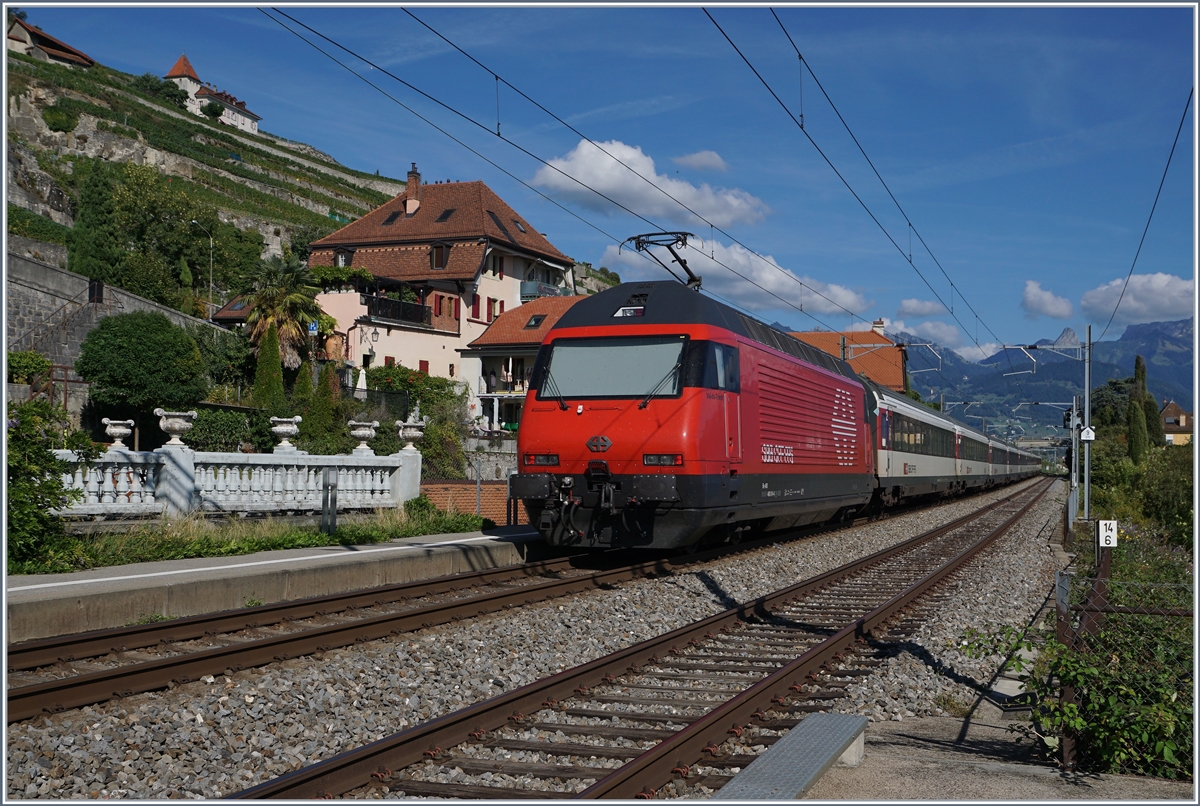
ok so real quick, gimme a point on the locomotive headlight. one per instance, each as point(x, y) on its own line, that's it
point(543, 459)
point(667, 459)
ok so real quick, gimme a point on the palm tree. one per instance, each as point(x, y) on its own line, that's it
point(282, 294)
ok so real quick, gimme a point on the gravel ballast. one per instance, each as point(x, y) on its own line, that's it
point(217, 736)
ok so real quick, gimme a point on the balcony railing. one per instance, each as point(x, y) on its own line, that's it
point(532, 289)
point(394, 309)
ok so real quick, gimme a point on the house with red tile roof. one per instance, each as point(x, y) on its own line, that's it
point(25, 38)
point(427, 273)
point(868, 352)
point(201, 93)
point(505, 354)
point(1177, 423)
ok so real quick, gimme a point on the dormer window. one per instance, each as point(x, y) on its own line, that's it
point(439, 256)
point(343, 257)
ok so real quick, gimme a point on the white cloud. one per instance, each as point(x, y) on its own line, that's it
point(940, 332)
point(596, 169)
point(702, 161)
point(1039, 302)
point(970, 352)
point(1149, 298)
point(721, 282)
point(920, 307)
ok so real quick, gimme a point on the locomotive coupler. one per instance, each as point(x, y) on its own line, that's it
point(606, 497)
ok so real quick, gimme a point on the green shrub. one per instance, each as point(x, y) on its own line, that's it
point(36, 536)
point(28, 224)
point(141, 361)
point(60, 119)
point(268, 377)
point(1165, 492)
point(24, 365)
point(218, 430)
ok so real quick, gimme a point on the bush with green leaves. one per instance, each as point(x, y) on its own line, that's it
point(1165, 492)
point(60, 118)
point(36, 537)
point(218, 430)
point(139, 361)
point(24, 365)
point(29, 224)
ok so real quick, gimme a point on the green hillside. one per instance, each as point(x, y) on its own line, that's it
point(118, 154)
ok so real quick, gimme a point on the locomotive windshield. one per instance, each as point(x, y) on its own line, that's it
point(638, 366)
point(620, 367)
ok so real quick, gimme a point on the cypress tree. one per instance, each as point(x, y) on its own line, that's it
point(95, 245)
point(302, 389)
point(1135, 422)
point(268, 377)
point(1154, 424)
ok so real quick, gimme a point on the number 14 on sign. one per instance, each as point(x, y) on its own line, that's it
point(1106, 534)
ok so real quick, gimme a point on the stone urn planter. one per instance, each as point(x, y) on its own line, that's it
point(176, 424)
point(413, 428)
point(363, 432)
point(285, 428)
point(117, 430)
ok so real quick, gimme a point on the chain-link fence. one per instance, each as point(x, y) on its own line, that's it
point(1124, 671)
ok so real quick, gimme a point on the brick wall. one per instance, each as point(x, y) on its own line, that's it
point(460, 495)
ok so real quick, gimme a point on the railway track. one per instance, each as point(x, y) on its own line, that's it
point(685, 710)
point(56, 674)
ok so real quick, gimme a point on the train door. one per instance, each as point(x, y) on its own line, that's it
point(728, 379)
point(885, 436)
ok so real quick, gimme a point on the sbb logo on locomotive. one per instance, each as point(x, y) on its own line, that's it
point(777, 454)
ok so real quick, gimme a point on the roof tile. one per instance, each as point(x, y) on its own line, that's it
point(873, 354)
point(478, 213)
point(509, 328)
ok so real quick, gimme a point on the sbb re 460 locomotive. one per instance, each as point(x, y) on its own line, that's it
point(658, 417)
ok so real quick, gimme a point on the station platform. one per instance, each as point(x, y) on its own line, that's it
point(46, 605)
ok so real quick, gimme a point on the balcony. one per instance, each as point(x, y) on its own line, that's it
point(408, 312)
point(532, 289)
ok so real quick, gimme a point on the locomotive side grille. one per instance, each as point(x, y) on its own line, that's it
point(817, 417)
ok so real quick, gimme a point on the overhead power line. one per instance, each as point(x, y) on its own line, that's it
point(1186, 106)
point(515, 145)
point(907, 257)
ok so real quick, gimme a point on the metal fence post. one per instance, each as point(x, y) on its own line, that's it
point(329, 501)
point(1062, 601)
point(479, 484)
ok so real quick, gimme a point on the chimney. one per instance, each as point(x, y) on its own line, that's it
point(877, 326)
point(413, 188)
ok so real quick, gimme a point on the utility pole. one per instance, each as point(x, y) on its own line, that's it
point(210, 267)
point(1087, 423)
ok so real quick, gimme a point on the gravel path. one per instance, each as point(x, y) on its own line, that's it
point(215, 737)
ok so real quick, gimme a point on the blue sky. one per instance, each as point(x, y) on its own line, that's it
point(1025, 144)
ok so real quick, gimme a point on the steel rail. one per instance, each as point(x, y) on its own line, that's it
point(688, 746)
point(77, 646)
point(376, 761)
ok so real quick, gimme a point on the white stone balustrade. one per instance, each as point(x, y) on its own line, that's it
point(177, 480)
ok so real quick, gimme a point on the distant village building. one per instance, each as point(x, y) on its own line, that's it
point(200, 93)
point(868, 352)
point(1177, 424)
point(444, 261)
point(36, 43)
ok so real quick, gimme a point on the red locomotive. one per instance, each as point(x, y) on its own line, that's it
point(657, 415)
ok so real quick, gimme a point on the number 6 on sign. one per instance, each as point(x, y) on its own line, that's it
point(1106, 534)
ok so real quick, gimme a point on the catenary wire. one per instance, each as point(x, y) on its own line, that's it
point(847, 184)
point(1186, 106)
point(628, 167)
point(522, 150)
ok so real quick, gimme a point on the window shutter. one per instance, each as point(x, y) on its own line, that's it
point(491, 308)
point(423, 366)
point(451, 370)
point(437, 305)
point(457, 308)
point(475, 307)
point(501, 306)
point(389, 361)
point(501, 262)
